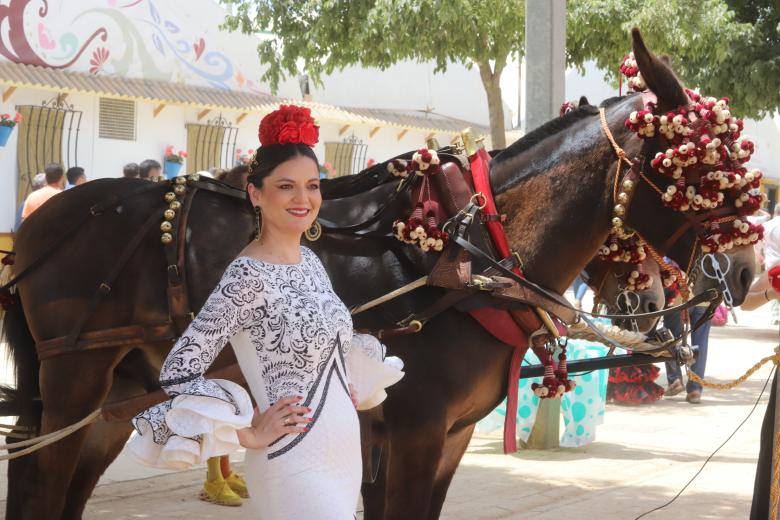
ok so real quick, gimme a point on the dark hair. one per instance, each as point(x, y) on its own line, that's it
point(130, 170)
point(147, 166)
point(269, 157)
point(54, 173)
point(74, 173)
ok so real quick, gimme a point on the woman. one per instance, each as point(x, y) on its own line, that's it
point(293, 339)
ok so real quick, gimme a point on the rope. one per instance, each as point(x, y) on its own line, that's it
point(629, 340)
point(45, 440)
point(621, 154)
point(774, 489)
point(775, 358)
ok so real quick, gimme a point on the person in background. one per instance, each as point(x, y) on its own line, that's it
point(75, 176)
point(55, 183)
point(38, 182)
point(772, 254)
point(580, 288)
point(150, 170)
point(765, 289)
point(130, 171)
point(700, 338)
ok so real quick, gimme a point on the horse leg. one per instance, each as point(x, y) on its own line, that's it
point(67, 398)
point(415, 453)
point(102, 446)
point(454, 448)
point(104, 443)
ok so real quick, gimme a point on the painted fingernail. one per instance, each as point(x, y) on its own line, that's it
point(308, 410)
point(309, 420)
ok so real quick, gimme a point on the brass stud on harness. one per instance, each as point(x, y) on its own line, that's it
point(175, 205)
point(169, 214)
point(166, 238)
point(181, 180)
point(170, 196)
point(194, 177)
point(166, 226)
point(180, 188)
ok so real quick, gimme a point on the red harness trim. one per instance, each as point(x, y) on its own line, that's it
point(499, 322)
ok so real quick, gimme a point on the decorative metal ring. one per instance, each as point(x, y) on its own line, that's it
point(475, 200)
point(314, 232)
point(715, 263)
point(416, 325)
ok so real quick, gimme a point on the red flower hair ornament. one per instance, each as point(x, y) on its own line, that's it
point(289, 124)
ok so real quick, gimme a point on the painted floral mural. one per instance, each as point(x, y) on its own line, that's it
point(153, 39)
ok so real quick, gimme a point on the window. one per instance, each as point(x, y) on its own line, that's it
point(117, 119)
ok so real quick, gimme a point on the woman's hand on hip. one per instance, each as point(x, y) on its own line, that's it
point(282, 418)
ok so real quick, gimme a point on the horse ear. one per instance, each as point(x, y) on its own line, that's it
point(658, 77)
point(583, 102)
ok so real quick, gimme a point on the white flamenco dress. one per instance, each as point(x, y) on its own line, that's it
point(292, 336)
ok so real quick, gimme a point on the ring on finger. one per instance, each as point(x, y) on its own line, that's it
point(287, 421)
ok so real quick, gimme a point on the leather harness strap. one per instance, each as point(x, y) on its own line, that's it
point(177, 294)
point(69, 342)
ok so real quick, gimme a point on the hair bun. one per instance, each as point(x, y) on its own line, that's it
point(289, 124)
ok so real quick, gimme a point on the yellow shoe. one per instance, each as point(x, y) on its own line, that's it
point(220, 493)
point(237, 484)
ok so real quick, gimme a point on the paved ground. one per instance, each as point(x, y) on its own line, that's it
point(642, 457)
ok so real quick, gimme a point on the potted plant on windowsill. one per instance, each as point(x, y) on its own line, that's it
point(7, 124)
point(173, 161)
point(244, 158)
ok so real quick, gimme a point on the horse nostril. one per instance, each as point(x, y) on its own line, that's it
point(746, 278)
point(651, 307)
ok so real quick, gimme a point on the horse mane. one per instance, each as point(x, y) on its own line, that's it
point(349, 185)
point(370, 178)
point(549, 129)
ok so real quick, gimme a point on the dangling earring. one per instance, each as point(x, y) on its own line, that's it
point(258, 223)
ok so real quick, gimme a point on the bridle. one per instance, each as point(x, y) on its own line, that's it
point(699, 221)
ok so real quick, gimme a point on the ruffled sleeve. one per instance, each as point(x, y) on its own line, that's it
point(370, 371)
point(201, 419)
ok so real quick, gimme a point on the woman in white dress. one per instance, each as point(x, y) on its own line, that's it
point(293, 339)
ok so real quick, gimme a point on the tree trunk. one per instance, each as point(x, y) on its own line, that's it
point(491, 81)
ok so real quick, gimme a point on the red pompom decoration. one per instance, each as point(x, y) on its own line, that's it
point(289, 124)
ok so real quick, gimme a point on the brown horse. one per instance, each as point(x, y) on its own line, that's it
point(558, 218)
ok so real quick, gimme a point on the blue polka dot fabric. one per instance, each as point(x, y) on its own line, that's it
point(582, 409)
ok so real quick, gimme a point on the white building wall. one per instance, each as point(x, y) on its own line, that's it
point(103, 158)
point(409, 85)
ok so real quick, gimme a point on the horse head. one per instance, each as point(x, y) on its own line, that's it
point(714, 150)
point(625, 288)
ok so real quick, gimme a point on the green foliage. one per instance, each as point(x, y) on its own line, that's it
point(327, 35)
point(722, 47)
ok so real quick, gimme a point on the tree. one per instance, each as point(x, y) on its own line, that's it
point(327, 35)
point(723, 47)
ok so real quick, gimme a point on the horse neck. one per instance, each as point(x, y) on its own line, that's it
point(558, 198)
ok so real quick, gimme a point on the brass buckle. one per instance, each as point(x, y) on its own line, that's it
point(475, 200)
point(480, 282)
point(518, 260)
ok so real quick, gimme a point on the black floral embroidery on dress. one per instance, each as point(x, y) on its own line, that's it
point(298, 327)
